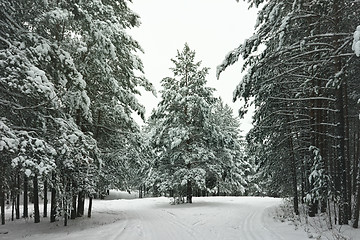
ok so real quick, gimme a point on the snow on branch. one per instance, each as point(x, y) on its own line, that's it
point(230, 59)
point(356, 42)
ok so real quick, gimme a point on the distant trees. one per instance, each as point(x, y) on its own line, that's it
point(194, 136)
point(68, 88)
point(303, 87)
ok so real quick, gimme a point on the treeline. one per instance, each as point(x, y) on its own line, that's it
point(304, 84)
point(67, 91)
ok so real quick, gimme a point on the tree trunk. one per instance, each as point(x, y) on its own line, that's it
point(303, 183)
point(189, 192)
point(341, 128)
point(25, 204)
point(347, 151)
point(90, 206)
point(357, 181)
point(45, 198)
point(13, 199)
point(357, 206)
point(140, 191)
point(66, 204)
point(36, 199)
point(53, 206)
point(73, 207)
point(2, 202)
point(356, 158)
point(313, 205)
point(294, 178)
point(81, 204)
point(66, 200)
point(17, 208)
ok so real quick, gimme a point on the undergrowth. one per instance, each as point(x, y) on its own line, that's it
point(318, 227)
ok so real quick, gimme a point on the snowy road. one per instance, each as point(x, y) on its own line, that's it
point(213, 218)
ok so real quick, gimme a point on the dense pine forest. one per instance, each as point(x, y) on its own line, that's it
point(71, 77)
point(305, 88)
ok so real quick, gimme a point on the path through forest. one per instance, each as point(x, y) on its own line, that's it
point(212, 218)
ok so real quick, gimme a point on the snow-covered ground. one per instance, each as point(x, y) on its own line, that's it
point(210, 218)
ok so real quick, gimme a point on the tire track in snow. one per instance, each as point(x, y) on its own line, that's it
point(248, 228)
point(154, 224)
point(161, 223)
point(255, 226)
point(130, 228)
point(175, 221)
point(265, 226)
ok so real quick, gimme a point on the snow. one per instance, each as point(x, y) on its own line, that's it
point(175, 143)
point(8, 143)
point(28, 172)
point(356, 42)
point(210, 218)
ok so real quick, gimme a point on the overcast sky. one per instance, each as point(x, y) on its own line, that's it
point(211, 27)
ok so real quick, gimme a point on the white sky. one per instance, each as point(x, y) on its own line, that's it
point(211, 27)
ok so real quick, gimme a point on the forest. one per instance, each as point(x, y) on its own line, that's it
point(70, 81)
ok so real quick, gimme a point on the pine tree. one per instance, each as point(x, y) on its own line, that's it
point(182, 133)
point(68, 86)
point(192, 150)
point(300, 89)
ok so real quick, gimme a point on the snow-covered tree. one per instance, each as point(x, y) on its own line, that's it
point(68, 83)
point(231, 168)
point(39, 85)
point(183, 126)
point(95, 32)
point(190, 145)
point(300, 86)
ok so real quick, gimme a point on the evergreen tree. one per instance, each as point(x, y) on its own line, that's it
point(183, 132)
point(68, 87)
point(300, 89)
point(192, 149)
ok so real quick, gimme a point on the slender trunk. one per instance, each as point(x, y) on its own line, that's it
point(171, 193)
point(53, 206)
point(36, 199)
point(341, 128)
point(343, 210)
point(45, 198)
point(189, 192)
point(303, 183)
point(336, 219)
point(13, 199)
point(66, 204)
point(294, 177)
point(17, 208)
point(73, 212)
point(90, 206)
point(313, 205)
point(329, 214)
point(26, 199)
point(66, 200)
point(357, 200)
point(321, 118)
point(355, 160)
point(293, 169)
point(73, 207)
point(357, 206)
point(347, 151)
point(2, 201)
point(81, 204)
